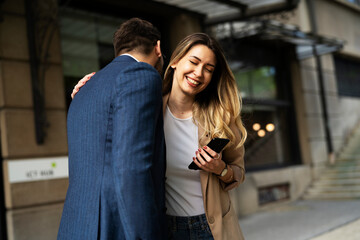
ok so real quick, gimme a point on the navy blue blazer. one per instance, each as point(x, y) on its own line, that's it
point(116, 156)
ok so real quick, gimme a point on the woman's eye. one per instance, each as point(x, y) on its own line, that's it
point(209, 70)
point(193, 62)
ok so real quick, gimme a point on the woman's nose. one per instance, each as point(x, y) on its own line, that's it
point(198, 71)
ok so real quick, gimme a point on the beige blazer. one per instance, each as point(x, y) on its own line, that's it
point(219, 211)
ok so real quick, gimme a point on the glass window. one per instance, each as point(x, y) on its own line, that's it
point(257, 83)
point(348, 76)
point(268, 139)
point(263, 75)
point(86, 44)
point(357, 2)
point(266, 116)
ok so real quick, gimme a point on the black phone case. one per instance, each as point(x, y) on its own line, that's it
point(216, 144)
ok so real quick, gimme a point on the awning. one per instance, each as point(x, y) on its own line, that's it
point(220, 11)
point(271, 30)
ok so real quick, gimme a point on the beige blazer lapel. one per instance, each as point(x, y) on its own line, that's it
point(204, 176)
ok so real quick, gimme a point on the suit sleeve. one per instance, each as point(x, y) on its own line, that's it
point(137, 107)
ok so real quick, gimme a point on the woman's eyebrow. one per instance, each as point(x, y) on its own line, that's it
point(212, 65)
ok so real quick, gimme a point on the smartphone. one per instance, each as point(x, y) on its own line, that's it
point(216, 144)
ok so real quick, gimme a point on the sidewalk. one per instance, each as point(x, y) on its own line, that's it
point(305, 220)
point(350, 231)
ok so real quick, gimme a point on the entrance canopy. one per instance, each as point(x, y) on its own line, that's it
point(228, 18)
point(220, 11)
point(307, 44)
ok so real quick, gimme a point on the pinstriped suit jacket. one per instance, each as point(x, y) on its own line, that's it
point(116, 156)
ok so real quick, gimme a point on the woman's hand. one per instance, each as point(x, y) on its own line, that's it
point(81, 83)
point(209, 160)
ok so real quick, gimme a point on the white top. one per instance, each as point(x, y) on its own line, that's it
point(182, 186)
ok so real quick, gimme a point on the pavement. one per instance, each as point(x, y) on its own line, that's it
point(305, 220)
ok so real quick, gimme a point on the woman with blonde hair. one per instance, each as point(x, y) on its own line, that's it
point(200, 103)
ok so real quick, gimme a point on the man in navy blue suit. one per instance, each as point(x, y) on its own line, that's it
point(116, 145)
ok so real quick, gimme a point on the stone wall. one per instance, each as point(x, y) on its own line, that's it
point(33, 208)
point(245, 198)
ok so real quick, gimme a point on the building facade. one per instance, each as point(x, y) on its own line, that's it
point(296, 69)
point(317, 57)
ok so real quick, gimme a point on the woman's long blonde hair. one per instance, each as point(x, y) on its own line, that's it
point(219, 104)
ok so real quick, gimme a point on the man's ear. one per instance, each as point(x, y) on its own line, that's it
point(158, 49)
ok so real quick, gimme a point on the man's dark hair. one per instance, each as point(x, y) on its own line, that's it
point(137, 34)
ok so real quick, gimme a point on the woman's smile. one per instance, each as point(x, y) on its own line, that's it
point(192, 82)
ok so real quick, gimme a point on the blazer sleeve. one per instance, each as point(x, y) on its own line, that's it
point(234, 157)
point(137, 105)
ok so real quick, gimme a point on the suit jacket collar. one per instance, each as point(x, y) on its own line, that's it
point(124, 58)
point(128, 54)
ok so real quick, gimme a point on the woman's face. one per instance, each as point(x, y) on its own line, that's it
point(193, 72)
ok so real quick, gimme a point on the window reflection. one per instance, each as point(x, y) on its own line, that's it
point(257, 83)
point(86, 44)
point(268, 134)
point(354, 1)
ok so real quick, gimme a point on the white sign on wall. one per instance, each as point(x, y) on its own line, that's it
point(27, 170)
